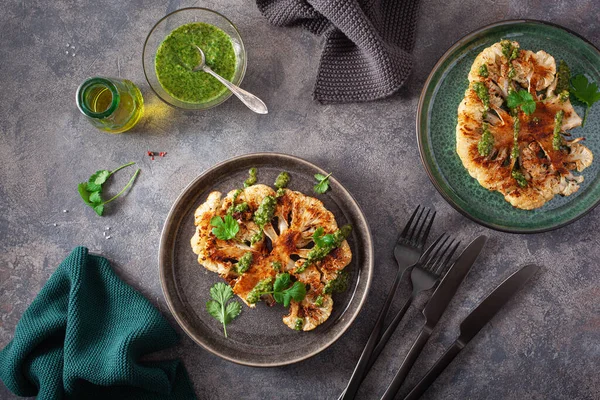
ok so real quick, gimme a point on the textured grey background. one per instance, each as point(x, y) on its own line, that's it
point(544, 345)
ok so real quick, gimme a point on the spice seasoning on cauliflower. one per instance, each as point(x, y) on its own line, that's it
point(273, 239)
point(518, 143)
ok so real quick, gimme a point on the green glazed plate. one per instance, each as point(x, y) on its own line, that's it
point(437, 118)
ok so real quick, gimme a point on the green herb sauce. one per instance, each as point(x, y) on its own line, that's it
point(339, 284)
point(564, 76)
point(253, 172)
point(282, 180)
point(266, 285)
point(486, 143)
point(264, 213)
point(516, 128)
point(483, 94)
point(244, 263)
point(556, 137)
point(276, 265)
point(519, 177)
point(176, 57)
point(483, 71)
point(320, 252)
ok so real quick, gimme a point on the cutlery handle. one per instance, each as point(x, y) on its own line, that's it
point(407, 364)
point(363, 362)
point(384, 339)
point(435, 371)
point(389, 331)
point(250, 100)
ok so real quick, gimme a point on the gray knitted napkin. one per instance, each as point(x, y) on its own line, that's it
point(367, 43)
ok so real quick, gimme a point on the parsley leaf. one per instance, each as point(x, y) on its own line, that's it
point(218, 307)
point(91, 191)
point(322, 240)
point(586, 92)
point(282, 289)
point(224, 229)
point(284, 293)
point(322, 183)
point(522, 99)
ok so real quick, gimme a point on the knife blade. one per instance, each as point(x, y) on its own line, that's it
point(473, 323)
point(435, 308)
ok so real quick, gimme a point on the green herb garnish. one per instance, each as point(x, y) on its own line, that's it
point(322, 183)
point(556, 137)
point(276, 265)
point(218, 307)
point(486, 142)
point(483, 71)
point(298, 324)
point(324, 244)
point(283, 290)
point(283, 179)
point(226, 228)
point(244, 263)
point(519, 177)
point(516, 128)
point(522, 99)
point(253, 172)
point(563, 77)
point(339, 284)
point(91, 190)
point(319, 301)
point(586, 92)
point(265, 211)
point(483, 94)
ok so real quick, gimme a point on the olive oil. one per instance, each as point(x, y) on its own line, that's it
point(112, 105)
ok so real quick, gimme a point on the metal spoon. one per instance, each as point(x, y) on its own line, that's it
point(250, 100)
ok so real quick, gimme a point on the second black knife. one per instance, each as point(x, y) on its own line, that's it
point(473, 323)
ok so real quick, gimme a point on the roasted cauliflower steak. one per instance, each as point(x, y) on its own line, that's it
point(286, 239)
point(517, 154)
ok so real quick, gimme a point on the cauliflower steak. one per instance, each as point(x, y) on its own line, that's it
point(282, 244)
point(520, 150)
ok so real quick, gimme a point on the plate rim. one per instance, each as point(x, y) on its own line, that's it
point(428, 168)
point(369, 261)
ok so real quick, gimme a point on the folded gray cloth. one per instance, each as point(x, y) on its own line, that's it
point(367, 43)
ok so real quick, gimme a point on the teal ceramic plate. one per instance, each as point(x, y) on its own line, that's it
point(437, 117)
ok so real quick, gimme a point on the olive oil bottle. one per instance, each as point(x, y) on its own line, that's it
point(112, 105)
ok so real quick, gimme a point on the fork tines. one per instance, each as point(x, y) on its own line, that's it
point(413, 231)
point(437, 257)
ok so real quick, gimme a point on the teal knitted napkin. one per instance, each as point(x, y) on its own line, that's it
point(83, 337)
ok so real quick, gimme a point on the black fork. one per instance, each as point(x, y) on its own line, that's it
point(407, 253)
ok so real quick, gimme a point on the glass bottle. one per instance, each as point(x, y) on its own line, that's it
point(110, 104)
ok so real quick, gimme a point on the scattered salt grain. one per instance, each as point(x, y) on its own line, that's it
point(54, 224)
point(65, 211)
point(67, 52)
point(108, 237)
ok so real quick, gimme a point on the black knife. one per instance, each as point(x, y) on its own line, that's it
point(476, 320)
point(435, 308)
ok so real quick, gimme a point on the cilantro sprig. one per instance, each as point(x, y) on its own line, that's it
point(283, 290)
point(322, 183)
point(219, 308)
point(226, 228)
point(586, 92)
point(522, 99)
point(91, 191)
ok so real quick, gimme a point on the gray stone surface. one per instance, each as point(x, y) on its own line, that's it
point(544, 345)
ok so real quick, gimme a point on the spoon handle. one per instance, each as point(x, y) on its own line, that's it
point(250, 100)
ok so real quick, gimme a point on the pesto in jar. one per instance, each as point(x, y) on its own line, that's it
point(176, 57)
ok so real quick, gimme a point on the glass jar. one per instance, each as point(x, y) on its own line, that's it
point(110, 104)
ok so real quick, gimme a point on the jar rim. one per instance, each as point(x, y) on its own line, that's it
point(87, 85)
